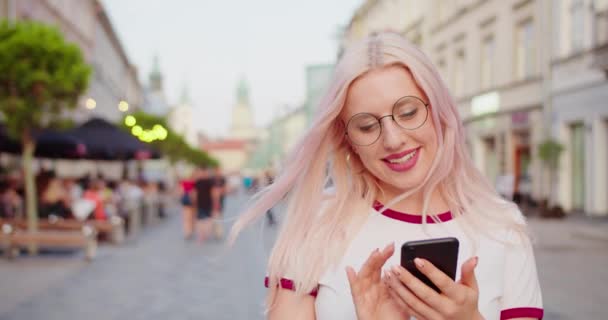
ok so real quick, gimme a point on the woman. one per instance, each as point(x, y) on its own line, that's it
point(388, 138)
point(186, 187)
point(54, 199)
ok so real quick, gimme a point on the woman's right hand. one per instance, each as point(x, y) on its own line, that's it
point(371, 295)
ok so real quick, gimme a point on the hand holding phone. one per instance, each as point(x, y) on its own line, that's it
point(441, 252)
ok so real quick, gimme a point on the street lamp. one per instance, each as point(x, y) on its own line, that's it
point(90, 104)
point(123, 106)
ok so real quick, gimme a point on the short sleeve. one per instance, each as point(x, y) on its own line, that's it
point(522, 295)
point(286, 283)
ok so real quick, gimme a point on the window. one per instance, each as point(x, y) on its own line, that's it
point(601, 22)
point(458, 75)
point(577, 25)
point(487, 62)
point(524, 50)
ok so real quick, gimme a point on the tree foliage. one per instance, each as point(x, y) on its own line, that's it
point(174, 147)
point(549, 152)
point(41, 76)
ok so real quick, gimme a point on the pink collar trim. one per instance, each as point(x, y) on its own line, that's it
point(411, 218)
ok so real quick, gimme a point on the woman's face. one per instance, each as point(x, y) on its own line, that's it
point(399, 158)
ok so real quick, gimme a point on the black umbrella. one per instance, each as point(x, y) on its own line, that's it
point(49, 144)
point(105, 141)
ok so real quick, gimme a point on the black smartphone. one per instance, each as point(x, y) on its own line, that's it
point(441, 252)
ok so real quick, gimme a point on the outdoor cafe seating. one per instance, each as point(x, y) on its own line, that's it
point(94, 140)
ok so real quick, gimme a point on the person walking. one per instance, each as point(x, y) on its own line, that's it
point(206, 200)
point(220, 190)
point(187, 201)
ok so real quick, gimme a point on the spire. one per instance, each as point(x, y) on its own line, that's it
point(156, 78)
point(242, 92)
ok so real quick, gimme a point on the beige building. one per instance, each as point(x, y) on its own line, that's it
point(232, 154)
point(512, 70)
point(579, 108)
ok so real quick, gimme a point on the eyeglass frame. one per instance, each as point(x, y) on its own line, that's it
point(392, 115)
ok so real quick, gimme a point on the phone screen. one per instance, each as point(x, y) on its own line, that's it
point(441, 252)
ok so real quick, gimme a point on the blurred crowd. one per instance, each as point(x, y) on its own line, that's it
point(88, 197)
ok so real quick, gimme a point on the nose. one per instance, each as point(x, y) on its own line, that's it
point(392, 135)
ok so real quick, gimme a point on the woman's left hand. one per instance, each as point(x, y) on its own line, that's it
point(457, 300)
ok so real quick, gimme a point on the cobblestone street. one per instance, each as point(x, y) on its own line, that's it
point(160, 276)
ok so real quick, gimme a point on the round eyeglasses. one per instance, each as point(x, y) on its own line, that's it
point(409, 112)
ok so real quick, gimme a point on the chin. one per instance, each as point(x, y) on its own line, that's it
point(404, 181)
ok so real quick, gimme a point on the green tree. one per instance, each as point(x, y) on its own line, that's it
point(41, 77)
point(174, 147)
point(549, 152)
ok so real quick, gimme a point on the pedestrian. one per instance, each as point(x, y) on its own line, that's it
point(186, 187)
point(218, 212)
point(389, 137)
point(206, 199)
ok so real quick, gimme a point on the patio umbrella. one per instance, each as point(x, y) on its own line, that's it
point(105, 141)
point(49, 144)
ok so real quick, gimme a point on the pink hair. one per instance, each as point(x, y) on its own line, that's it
point(320, 224)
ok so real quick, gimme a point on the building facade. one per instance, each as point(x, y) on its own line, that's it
point(580, 102)
point(520, 71)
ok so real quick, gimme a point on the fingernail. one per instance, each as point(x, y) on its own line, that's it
point(476, 261)
point(419, 263)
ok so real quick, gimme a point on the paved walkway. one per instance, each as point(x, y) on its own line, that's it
point(160, 276)
point(157, 276)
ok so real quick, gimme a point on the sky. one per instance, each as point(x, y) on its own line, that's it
point(209, 46)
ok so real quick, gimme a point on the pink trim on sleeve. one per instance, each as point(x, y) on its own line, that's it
point(521, 313)
point(288, 284)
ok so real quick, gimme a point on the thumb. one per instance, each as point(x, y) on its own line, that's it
point(468, 273)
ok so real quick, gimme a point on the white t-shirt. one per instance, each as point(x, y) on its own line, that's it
point(506, 274)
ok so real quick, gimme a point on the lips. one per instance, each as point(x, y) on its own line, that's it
point(399, 155)
point(403, 161)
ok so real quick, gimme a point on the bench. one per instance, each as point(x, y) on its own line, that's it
point(114, 228)
point(15, 239)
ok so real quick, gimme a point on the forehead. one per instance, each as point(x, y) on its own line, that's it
point(376, 91)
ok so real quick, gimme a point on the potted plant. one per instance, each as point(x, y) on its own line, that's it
point(549, 152)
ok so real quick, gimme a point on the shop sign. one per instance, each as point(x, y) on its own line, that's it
point(485, 103)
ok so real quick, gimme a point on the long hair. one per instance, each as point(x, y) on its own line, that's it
point(319, 224)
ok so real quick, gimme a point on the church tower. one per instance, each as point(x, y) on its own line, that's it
point(181, 118)
point(156, 78)
point(242, 126)
point(155, 101)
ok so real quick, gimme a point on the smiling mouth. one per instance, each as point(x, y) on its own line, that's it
point(403, 159)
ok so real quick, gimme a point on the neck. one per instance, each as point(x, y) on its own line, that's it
point(414, 203)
